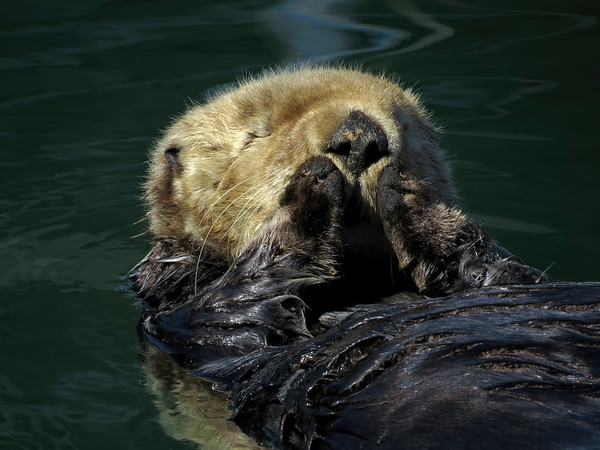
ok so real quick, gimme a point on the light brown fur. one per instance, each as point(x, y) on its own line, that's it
point(238, 152)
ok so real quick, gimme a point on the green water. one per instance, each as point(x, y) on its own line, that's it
point(85, 87)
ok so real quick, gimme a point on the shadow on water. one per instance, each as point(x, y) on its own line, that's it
point(85, 88)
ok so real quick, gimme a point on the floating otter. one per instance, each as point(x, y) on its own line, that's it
point(292, 197)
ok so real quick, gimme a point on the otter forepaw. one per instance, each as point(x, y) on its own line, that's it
point(398, 194)
point(389, 193)
point(315, 195)
point(437, 246)
point(401, 202)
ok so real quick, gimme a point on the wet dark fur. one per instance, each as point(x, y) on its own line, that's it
point(493, 368)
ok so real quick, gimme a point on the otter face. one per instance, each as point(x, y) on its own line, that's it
point(219, 172)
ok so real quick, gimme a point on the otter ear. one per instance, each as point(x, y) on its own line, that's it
point(172, 156)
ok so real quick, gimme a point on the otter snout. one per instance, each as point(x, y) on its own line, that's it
point(360, 141)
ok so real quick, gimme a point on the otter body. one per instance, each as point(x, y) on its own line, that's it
point(301, 193)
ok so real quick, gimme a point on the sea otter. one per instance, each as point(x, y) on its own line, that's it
point(284, 202)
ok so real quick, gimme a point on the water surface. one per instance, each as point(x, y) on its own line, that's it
point(86, 87)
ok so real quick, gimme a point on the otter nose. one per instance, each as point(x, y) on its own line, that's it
point(360, 141)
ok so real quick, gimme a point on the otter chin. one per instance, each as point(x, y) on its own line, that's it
point(284, 204)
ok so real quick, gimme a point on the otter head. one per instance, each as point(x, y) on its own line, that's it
point(219, 172)
point(235, 172)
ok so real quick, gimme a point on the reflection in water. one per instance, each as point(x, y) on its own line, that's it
point(437, 31)
point(568, 23)
point(328, 29)
point(502, 223)
point(189, 408)
point(474, 92)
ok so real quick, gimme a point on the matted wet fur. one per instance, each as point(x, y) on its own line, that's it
point(494, 368)
point(306, 191)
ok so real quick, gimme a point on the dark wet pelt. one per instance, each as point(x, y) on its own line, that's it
point(85, 88)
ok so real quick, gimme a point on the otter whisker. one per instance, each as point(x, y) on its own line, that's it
point(210, 207)
point(541, 277)
point(254, 203)
point(215, 221)
point(247, 206)
point(143, 233)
